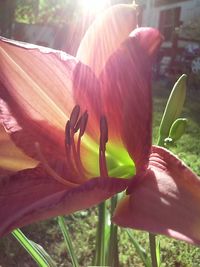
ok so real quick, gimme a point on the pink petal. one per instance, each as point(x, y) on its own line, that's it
point(105, 35)
point(11, 158)
point(31, 195)
point(126, 95)
point(86, 90)
point(149, 38)
point(37, 97)
point(38, 79)
point(27, 132)
point(165, 201)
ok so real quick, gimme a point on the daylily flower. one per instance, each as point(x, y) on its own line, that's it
point(87, 120)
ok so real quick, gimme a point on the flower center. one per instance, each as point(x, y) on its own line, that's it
point(74, 131)
point(77, 124)
point(112, 163)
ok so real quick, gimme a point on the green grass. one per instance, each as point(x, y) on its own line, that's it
point(82, 224)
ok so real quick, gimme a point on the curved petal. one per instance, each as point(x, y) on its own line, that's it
point(38, 197)
point(166, 201)
point(105, 35)
point(38, 79)
point(27, 132)
point(37, 97)
point(126, 94)
point(149, 38)
point(11, 158)
point(86, 89)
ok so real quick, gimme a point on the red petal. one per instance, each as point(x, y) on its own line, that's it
point(126, 96)
point(105, 35)
point(38, 79)
point(166, 201)
point(29, 132)
point(36, 85)
point(31, 196)
point(149, 38)
point(11, 158)
point(86, 90)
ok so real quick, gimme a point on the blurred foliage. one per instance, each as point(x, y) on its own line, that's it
point(66, 17)
point(26, 11)
point(49, 12)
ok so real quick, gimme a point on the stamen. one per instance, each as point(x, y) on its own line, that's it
point(103, 133)
point(67, 134)
point(50, 171)
point(83, 123)
point(68, 145)
point(73, 148)
point(74, 116)
point(102, 147)
point(73, 151)
point(77, 126)
point(78, 164)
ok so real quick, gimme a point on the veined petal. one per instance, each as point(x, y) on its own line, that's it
point(26, 132)
point(37, 97)
point(38, 79)
point(86, 89)
point(166, 201)
point(126, 94)
point(38, 197)
point(105, 35)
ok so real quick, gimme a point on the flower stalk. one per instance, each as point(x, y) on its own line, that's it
point(100, 255)
point(152, 245)
point(112, 252)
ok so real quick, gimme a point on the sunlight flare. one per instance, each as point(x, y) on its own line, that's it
point(93, 6)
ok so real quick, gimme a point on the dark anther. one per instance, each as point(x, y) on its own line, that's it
point(77, 126)
point(103, 133)
point(67, 134)
point(83, 123)
point(74, 116)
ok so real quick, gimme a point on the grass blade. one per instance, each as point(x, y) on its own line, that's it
point(30, 248)
point(66, 235)
point(140, 250)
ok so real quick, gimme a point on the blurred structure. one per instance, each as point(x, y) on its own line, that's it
point(178, 21)
point(7, 14)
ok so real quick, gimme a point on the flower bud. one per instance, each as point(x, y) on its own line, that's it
point(178, 129)
point(173, 108)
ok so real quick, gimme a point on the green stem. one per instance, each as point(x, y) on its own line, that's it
point(100, 238)
point(30, 248)
point(152, 237)
point(113, 254)
point(66, 235)
point(152, 242)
